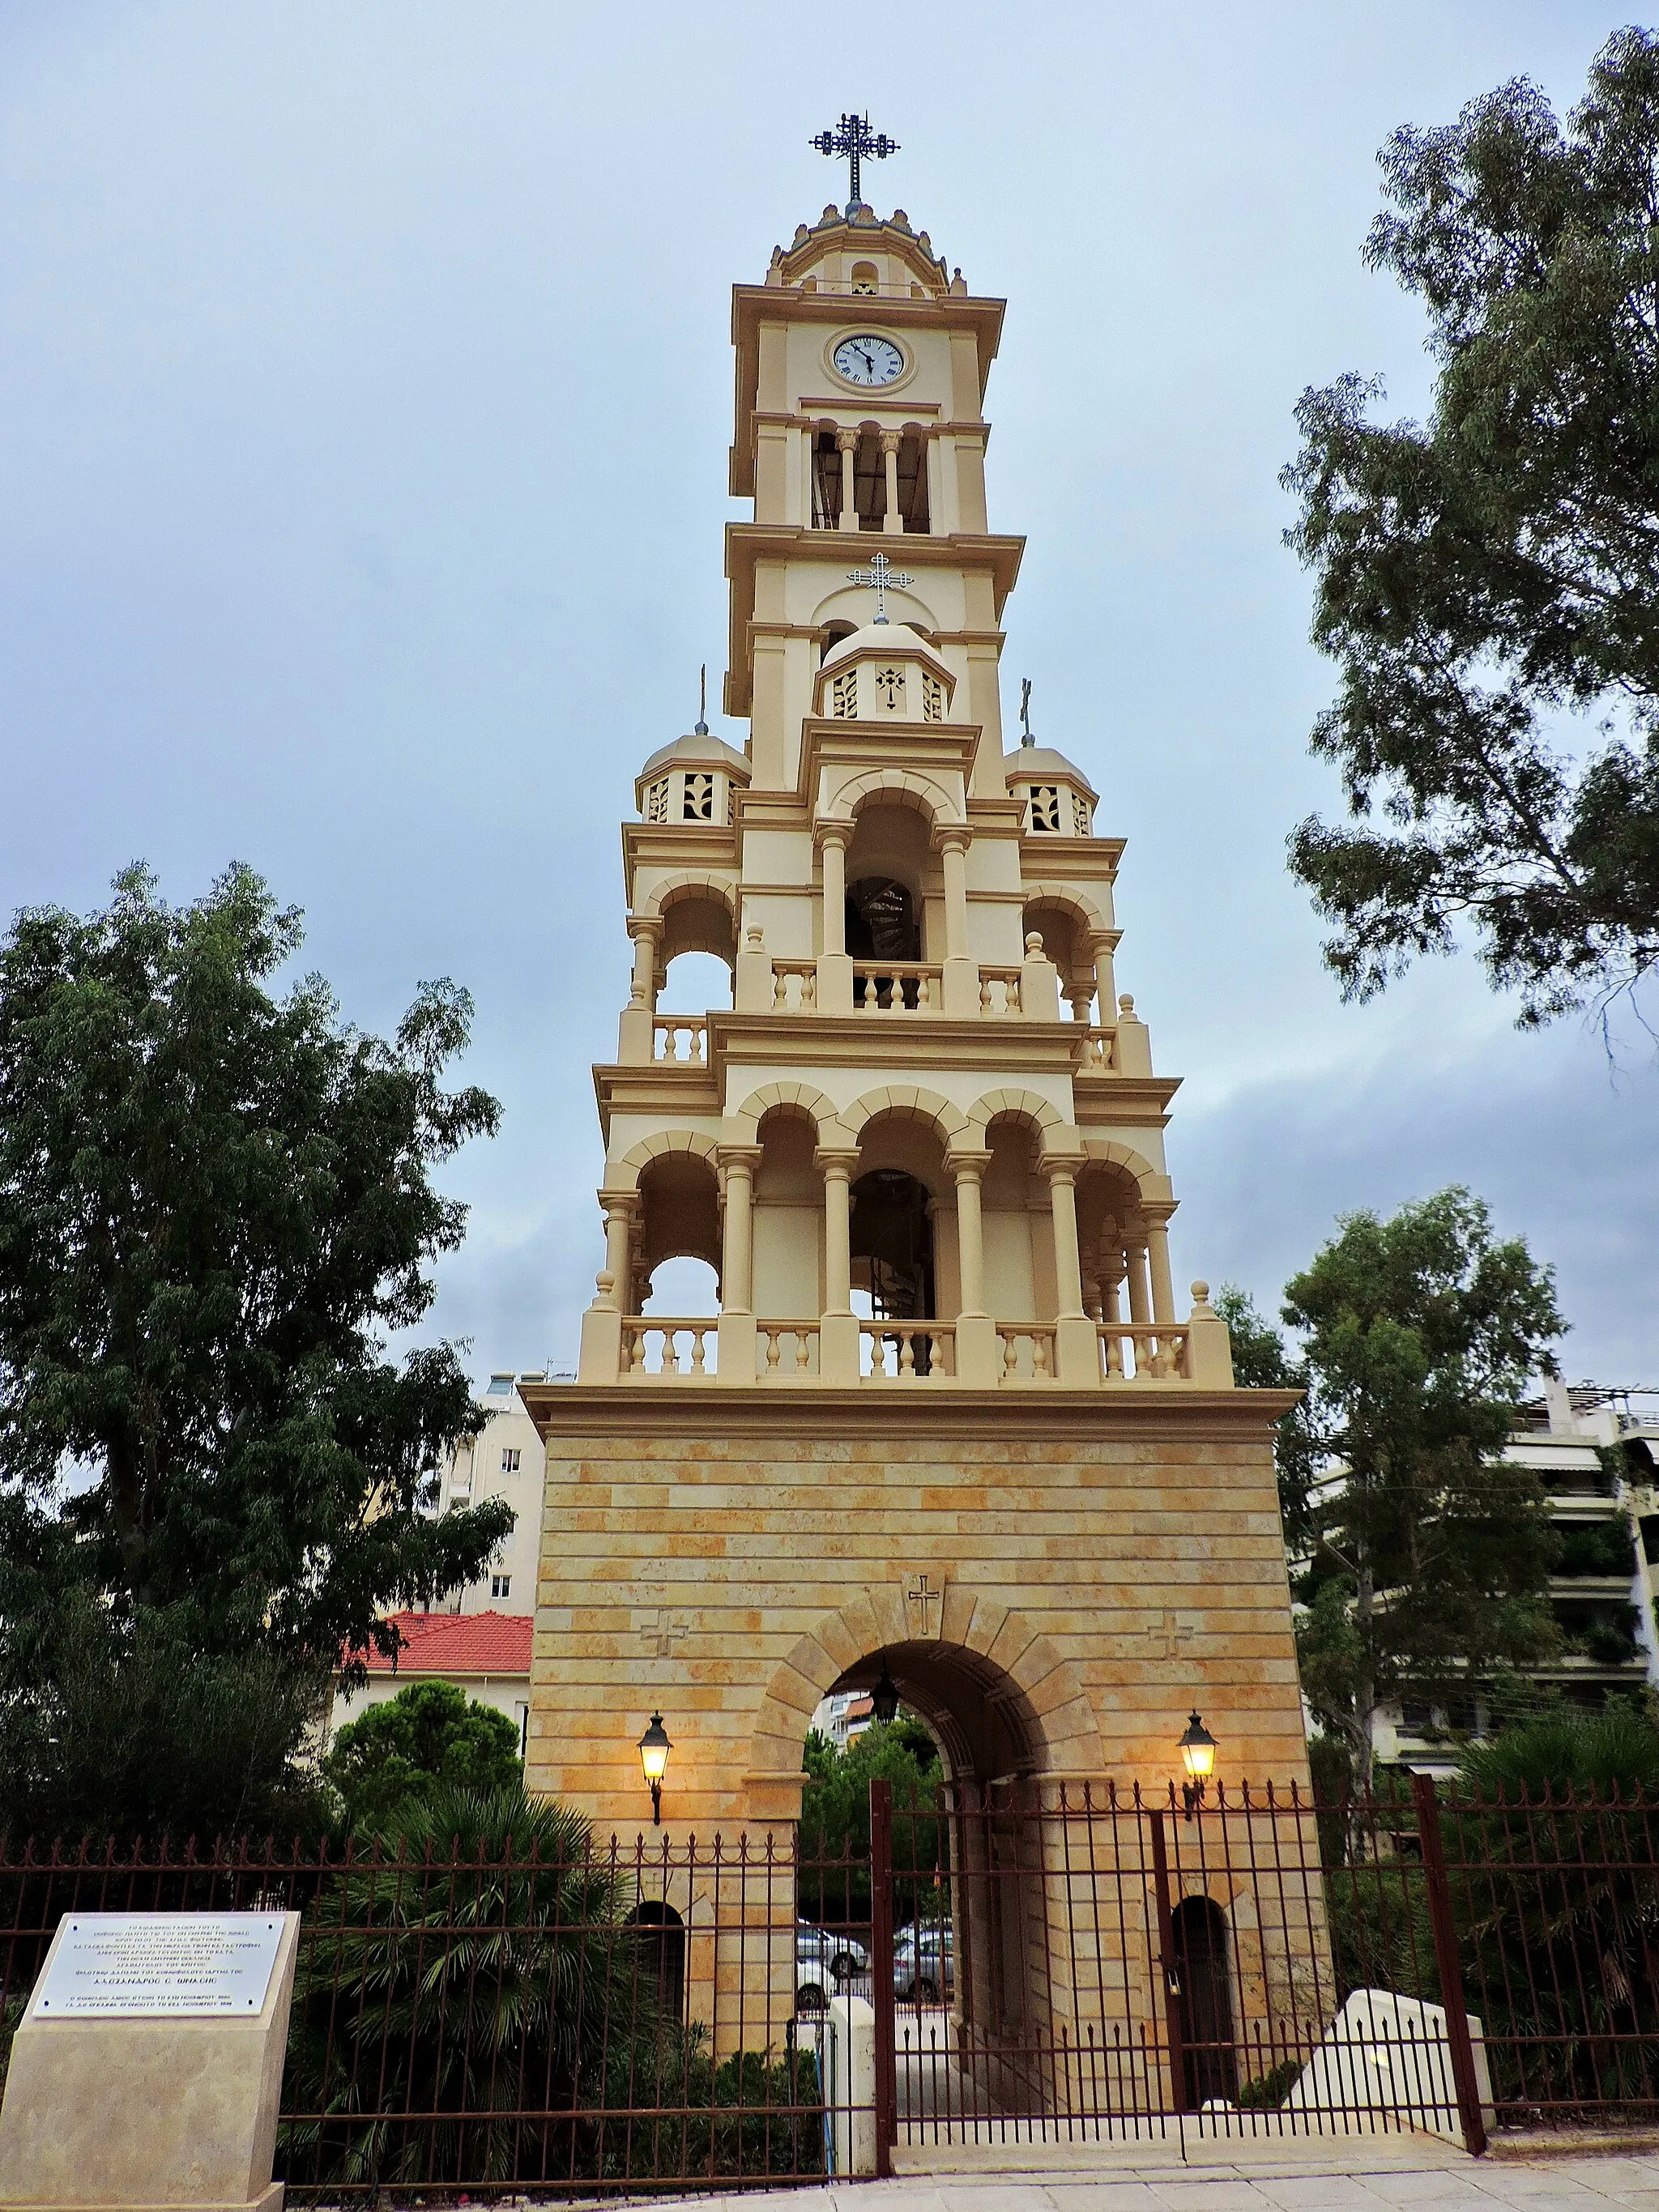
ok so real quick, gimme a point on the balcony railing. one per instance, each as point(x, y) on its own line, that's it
point(668, 1348)
point(907, 1351)
point(681, 1038)
point(1135, 1350)
point(653, 1347)
point(786, 1351)
point(897, 987)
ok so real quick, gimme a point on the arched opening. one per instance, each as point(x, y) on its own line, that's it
point(788, 1219)
point(660, 1950)
point(865, 277)
point(892, 1242)
point(1209, 2053)
point(833, 634)
point(688, 1288)
point(967, 1870)
point(698, 924)
point(1016, 1227)
point(1065, 941)
point(679, 1223)
point(888, 889)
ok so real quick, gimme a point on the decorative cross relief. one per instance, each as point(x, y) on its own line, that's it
point(924, 1606)
point(661, 1628)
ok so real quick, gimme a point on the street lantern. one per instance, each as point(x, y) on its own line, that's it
point(1198, 1757)
point(885, 1698)
point(654, 1749)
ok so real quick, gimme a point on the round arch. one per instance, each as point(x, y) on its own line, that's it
point(905, 1100)
point(996, 1644)
point(896, 787)
point(624, 1174)
point(1107, 1151)
point(1028, 1108)
point(850, 602)
point(798, 1098)
point(673, 890)
point(1067, 899)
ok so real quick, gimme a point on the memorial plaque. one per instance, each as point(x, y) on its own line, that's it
point(130, 1966)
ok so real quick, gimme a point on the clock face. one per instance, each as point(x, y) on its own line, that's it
point(868, 360)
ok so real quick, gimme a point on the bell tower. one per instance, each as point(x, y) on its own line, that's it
point(949, 1422)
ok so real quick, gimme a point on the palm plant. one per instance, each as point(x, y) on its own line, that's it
point(457, 1987)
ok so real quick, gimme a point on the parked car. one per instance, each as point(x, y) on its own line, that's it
point(925, 1964)
point(822, 1960)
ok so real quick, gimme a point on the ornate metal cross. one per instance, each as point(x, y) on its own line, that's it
point(851, 143)
point(881, 577)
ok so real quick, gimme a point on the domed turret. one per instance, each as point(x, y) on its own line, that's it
point(1060, 800)
point(886, 671)
point(691, 779)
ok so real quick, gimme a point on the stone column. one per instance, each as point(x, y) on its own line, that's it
point(835, 975)
point(838, 1327)
point(847, 444)
point(961, 993)
point(1134, 1255)
point(977, 1353)
point(893, 521)
point(1101, 942)
point(602, 1331)
point(635, 1042)
point(1111, 1282)
point(1157, 1261)
point(1077, 1345)
point(737, 1334)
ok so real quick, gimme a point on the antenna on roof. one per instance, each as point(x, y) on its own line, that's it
point(702, 730)
point(1025, 711)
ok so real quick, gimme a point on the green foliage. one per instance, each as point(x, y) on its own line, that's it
point(430, 1736)
point(136, 1733)
point(214, 1202)
point(834, 1819)
point(1557, 1924)
point(1603, 1548)
point(487, 1968)
point(1482, 577)
point(451, 1994)
point(1427, 1561)
point(1262, 1361)
point(1270, 2089)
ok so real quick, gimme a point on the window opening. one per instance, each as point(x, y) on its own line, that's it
point(1044, 801)
point(656, 800)
point(843, 696)
point(826, 482)
point(881, 921)
point(1080, 824)
point(892, 1251)
point(1209, 2056)
point(698, 803)
point(933, 699)
point(661, 1939)
point(864, 277)
point(913, 483)
point(510, 1460)
point(500, 1585)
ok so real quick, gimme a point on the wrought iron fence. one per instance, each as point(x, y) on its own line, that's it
point(1040, 1964)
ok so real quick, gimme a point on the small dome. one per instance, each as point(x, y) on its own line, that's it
point(882, 637)
point(1042, 764)
point(700, 749)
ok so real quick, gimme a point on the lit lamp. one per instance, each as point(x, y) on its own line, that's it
point(1198, 1757)
point(654, 1749)
point(883, 1699)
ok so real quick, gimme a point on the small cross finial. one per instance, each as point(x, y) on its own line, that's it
point(880, 577)
point(852, 142)
point(702, 730)
point(1025, 711)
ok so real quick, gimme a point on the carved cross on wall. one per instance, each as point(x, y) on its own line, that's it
point(924, 1606)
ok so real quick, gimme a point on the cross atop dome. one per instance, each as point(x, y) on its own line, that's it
point(880, 577)
point(853, 142)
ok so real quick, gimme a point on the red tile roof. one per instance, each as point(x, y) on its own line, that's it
point(458, 1644)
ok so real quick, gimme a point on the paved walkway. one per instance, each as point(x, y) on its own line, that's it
point(1333, 2176)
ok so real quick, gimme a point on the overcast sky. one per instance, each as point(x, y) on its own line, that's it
point(365, 394)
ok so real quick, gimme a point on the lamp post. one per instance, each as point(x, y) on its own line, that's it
point(654, 1749)
point(1198, 1757)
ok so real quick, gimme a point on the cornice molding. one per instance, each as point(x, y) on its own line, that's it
point(1128, 1412)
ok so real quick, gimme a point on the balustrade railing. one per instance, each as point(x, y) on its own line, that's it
point(682, 1037)
point(652, 1347)
point(907, 1351)
point(897, 987)
point(999, 991)
point(1099, 1055)
point(1028, 1352)
point(794, 986)
point(785, 1350)
point(1130, 1349)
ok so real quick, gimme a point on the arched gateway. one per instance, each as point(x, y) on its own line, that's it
point(950, 1423)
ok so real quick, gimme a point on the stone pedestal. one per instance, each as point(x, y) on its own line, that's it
point(146, 2112)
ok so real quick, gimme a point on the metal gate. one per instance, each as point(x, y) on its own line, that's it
point(1059, 1966)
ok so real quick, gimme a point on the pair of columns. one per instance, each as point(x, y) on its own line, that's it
point(952, 842)
point(847, 444)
